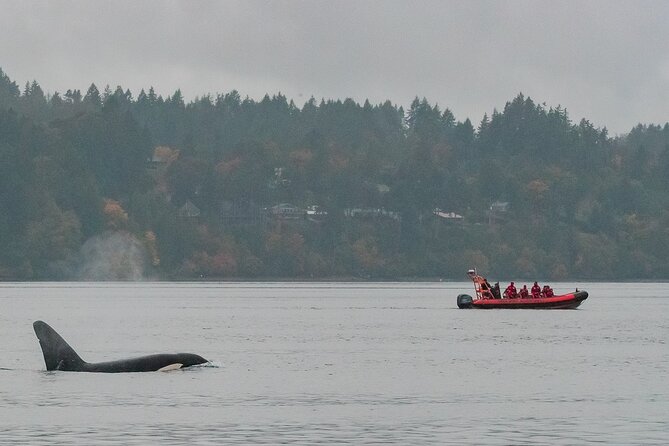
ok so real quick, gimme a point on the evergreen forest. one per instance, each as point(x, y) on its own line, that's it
point(107, 184)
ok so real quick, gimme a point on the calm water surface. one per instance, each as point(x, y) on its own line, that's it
point(334, 363)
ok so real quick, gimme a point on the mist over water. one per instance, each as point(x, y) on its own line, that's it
point(111, 256)
point(325, 363)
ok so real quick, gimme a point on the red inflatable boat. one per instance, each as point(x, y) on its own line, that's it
point(486, 297)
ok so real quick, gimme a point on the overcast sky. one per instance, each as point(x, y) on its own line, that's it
point(607, 61)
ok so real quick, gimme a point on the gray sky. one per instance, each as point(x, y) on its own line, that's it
point(607, 61)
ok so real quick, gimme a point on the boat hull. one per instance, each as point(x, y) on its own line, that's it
point(564, 301)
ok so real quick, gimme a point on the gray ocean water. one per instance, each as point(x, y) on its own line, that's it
point(336, 363)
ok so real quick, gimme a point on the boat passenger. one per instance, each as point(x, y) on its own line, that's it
point(495, 291)
point(524, 292)
point(548, 291)
point(536, 290)
point(486, 290)
point(511, 291)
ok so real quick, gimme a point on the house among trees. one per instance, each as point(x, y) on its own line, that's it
point(189, 210)
point(286, 211)
point(316, 213)
point(371, 213)
point(498, 212)
point(450, 217)
point(278, 179)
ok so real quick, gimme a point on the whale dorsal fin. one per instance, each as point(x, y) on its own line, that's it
point(58, 355)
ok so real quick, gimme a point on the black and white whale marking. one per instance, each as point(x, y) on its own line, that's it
point(58, 355)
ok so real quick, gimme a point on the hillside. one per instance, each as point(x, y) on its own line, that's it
point(106, 185)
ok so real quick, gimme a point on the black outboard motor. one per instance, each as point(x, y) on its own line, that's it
point(465, 301)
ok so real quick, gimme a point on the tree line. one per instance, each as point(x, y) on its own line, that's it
point(75, 167)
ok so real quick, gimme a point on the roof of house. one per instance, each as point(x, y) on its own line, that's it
point(189, 210)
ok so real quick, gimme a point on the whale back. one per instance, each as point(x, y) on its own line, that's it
point(58, 355)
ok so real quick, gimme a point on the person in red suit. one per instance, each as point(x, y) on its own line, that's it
point(536, 290)
point(524, 292)
point(511, 291)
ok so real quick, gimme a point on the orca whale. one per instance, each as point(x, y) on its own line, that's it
point(58, 355)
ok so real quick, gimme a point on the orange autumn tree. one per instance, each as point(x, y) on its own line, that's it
point(286, 251)
point(116, 217)
point(216, 256)
point(368, 255)
point(300, 159)
point(165, 154)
